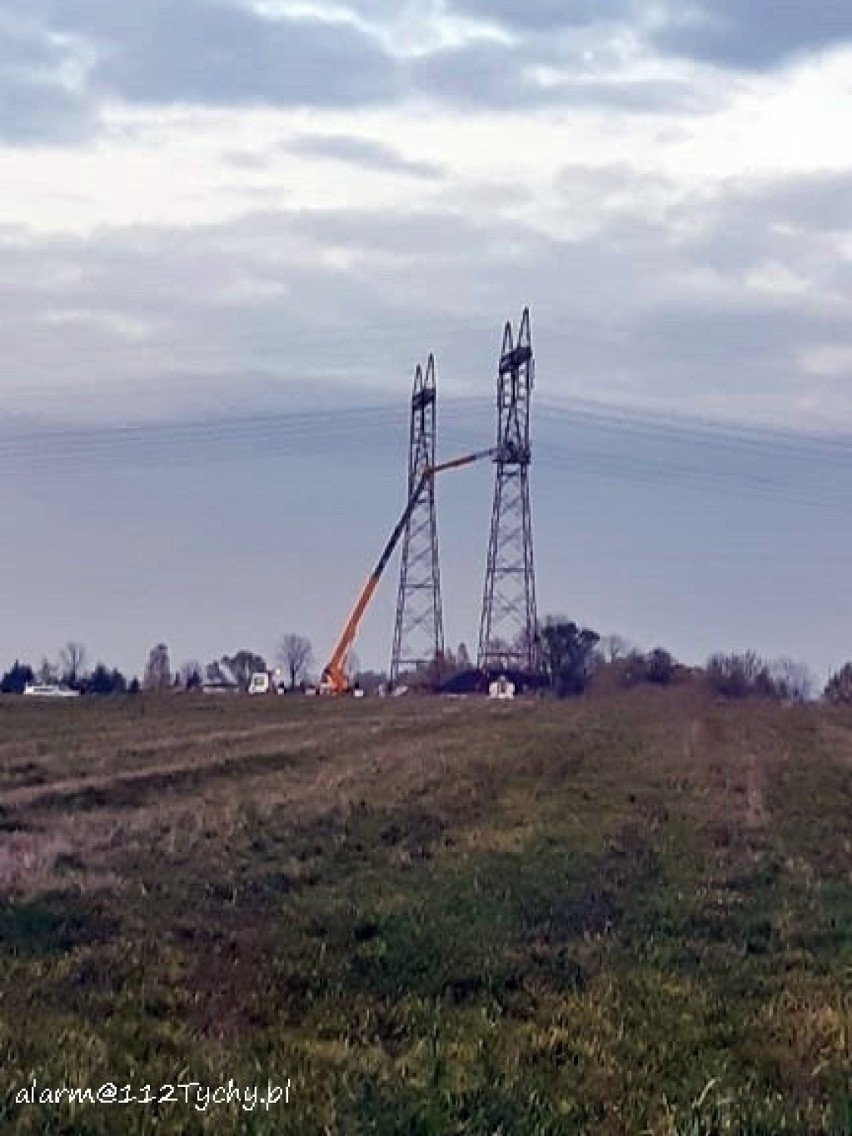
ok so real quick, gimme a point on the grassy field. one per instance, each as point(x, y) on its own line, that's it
point(626, 914)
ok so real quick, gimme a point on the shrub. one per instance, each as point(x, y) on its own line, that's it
point(659, 667)
point(839, 687)
point(16, 678)
point(739, 675)
point(747, 675)
point(569, 655)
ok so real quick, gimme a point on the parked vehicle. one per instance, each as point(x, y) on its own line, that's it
point(266, 682)
point(49, 690)
point(502, 688)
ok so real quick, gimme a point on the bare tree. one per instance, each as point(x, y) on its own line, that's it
point(72, 661)
point(295, 654)
point(614, 647)
point(47, 672)
point(158, 672)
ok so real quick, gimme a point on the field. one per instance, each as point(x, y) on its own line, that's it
point(629, 913)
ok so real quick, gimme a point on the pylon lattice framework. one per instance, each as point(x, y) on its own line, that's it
point(418, 639)
point(508, 629)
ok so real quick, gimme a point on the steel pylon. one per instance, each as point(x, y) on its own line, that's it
point(508, 629)
point(418, 640)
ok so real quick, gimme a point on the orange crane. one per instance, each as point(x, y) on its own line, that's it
point(334, 677)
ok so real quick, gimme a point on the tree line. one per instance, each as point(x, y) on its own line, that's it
point(71, 671)
point(574, 658)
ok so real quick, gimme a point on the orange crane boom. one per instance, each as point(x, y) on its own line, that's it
point(334, 678)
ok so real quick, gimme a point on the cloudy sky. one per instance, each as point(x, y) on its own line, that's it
point(225, 224)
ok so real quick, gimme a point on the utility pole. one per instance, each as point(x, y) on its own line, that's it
point(508, 629)
point(418, 639)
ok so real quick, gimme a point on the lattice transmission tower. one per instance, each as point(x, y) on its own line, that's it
point(508, 629)
point(418, 639)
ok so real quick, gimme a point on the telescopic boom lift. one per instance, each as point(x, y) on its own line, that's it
point(334, 677)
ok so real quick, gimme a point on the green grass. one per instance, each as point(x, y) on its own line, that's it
point(624, 915)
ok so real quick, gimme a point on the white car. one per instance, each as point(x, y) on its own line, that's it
point(49, 690)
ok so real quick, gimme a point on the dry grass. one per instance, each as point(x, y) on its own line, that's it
point(629, 913)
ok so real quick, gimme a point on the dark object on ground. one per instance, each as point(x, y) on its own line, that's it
point(477, 682)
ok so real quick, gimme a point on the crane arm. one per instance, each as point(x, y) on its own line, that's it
point(334, 673)
point(465, 459)
point(334, 676)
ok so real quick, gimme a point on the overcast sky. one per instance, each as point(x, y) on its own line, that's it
point(214, 210)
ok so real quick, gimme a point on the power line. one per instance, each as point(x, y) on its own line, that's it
point(583, 414)
point(689, 429)
point(590, 440)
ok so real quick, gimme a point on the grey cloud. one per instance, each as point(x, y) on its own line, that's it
point(820, 202)
point(488, 75)
point(38, 111)
point(795, 219)
point(492, 75)
point(24, 48)
point(559, 34)
point(544, 15)
point(757, 34)
point(361, 152)
point(793, 224)
point(35, 105)
point(222, 52)
point(498, 75)
point(236, 317)
point(734, 33)
point(481, 73)
point(642, 96)
point(291, 301)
